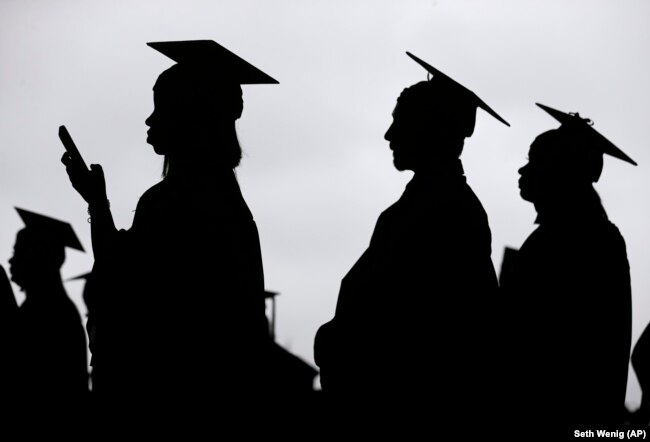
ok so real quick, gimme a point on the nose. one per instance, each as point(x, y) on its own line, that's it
point(522, 169)
point(149, 120)
point(389, 133)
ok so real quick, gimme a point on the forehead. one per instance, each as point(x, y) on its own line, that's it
point(34, 238)
point(413, 108)
point(25, 239)
point(547, 145)
point(556, 148)
point(537, 150)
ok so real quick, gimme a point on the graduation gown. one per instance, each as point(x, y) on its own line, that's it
point(50, 352)
point(180, 310)
point(412, 315)
point(569, 311)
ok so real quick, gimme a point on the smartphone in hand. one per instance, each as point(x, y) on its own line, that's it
point(70, 147)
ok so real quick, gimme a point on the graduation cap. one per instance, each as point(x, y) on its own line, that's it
point(84, 276)
point(57, 232)
point(457, 92)
point(88, 291)
point(583, 127)
point(211, 56)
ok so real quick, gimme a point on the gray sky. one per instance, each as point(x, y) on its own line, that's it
point(317, 172)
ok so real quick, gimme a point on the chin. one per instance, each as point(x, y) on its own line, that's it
point(399, 166)
point(158, 149)
point(525, 196)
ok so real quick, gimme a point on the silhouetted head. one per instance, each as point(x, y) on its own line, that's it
point(198, 100)
point(431, 121)
point(566, 160)
point(428, 126)
point(558, 163)
point(195, 116)
point(39, 250)
point(34, 255)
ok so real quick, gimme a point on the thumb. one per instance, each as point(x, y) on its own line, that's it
point(97, 169)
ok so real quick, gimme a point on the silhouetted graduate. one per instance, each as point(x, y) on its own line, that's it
point(411, 320)
point(569, 288)
point(180, 321)
point(50, 359)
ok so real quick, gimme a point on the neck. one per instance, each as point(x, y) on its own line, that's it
point(447, 167)
point(194, 168)
point(570, 204)
point(48, 285)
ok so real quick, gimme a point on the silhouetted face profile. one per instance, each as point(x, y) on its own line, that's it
point(165, 126)
point(404, 140)
point(559, 162)
point(194, 115)
point(429, 126)
point(431, 121)
point(566, 160)
point(34, 256)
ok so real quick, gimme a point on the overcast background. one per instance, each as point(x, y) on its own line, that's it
point(317, 172)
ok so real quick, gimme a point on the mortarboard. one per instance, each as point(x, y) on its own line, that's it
point(585, 129)
point(209, 55)
point(84, 276)
point(87, 294)
point(55, 230)
point(457, 89)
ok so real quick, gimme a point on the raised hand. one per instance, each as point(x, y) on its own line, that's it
point(91, 185)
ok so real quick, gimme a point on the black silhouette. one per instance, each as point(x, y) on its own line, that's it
point(412, 318)
point(8, 315)
point(179, 299)
point(569, 289)
point(49, 349)
point(8, 305)
point(641, 364)
point(71, 148)
point(290, 375)
point(88, 296)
